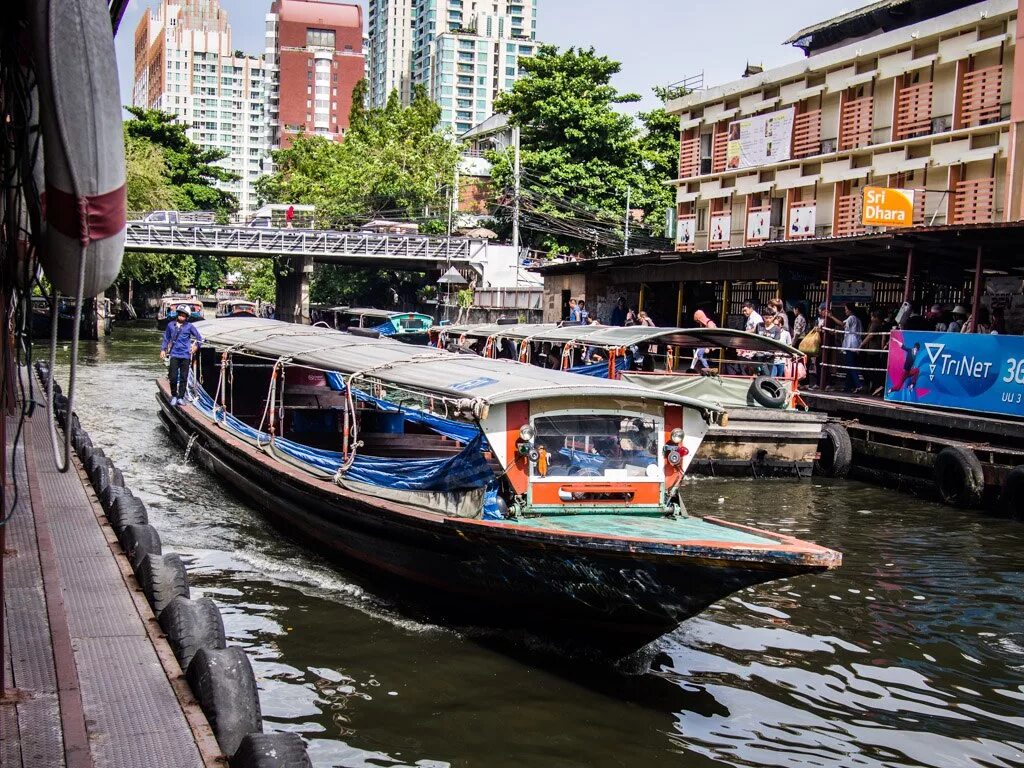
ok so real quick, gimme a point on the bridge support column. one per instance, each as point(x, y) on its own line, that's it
point(292, 276)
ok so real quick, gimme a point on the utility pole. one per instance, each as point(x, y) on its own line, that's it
point(625, 245)
point(515, 199)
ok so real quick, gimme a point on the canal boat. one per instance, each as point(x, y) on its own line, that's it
point(237, 308)
point(169, 309)
point(408, 327)
point(516, 496)
point(768, 429)
point(95, 323)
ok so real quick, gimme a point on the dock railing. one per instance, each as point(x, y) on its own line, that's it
point(870, 360)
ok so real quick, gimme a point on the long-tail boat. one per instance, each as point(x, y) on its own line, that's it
point(524, 497)
point(768, 429)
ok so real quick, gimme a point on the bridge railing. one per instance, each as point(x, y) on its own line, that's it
point(325, 245)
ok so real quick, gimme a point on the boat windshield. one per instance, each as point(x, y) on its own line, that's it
point(412, 323)
point(612, 446)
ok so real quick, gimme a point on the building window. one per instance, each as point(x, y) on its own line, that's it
point(320, 38)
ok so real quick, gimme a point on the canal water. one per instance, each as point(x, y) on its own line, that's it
point(912, 654)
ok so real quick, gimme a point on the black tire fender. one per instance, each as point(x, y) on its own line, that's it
point(81, 440)
point(225, 686)
point(1011, 500)
point(100, 475)
point(959, 476)
point(162, 578)
point(95, 456)
point(835, 451)
point(769, 392)
point(108, 496)
point(138, 541)
point(126, 510)
point(271, 750)
point(191, 625)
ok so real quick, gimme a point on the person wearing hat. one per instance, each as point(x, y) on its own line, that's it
point(181, 341)
point(959, 315)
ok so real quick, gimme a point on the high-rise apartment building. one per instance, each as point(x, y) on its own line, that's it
point(185, 64)
point(465, 52)
point(389, 50)
point(314, 56)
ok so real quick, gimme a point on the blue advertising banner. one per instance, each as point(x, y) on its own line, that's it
point(973, 372)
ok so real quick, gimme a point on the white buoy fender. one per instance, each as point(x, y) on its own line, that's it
point(83, 143)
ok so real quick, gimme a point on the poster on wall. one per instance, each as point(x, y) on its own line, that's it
point(759, 140)
point(857, 291)
point(974, 372)
point(686, 229)
point(802, 220)
point(721, 229)
point(758, 226)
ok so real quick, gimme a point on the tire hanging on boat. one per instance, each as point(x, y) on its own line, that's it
point(225, 686)
point(959, 477)
point(835, 451)
point(769, 392)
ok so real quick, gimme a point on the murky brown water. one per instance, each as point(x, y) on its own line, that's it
point(911, 654)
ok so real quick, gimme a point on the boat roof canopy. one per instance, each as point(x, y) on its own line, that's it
point(612, 336)
point(388, 313)
point(424, 369)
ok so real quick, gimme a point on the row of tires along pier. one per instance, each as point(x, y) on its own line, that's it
point(220, 676)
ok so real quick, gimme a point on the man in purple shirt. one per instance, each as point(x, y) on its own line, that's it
point(181, 340)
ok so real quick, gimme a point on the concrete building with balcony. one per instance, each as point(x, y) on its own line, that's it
point(185, 64)
point(915, 95)
point(912, 94)
point(464, 52)
point(314, 56)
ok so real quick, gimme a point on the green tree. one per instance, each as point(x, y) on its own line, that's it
point(190, 170)
point(393, 163)
point(255, 277)
point(579, 153)
point(145, 175)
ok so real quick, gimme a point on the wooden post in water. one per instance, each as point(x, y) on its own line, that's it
point(823, 378)
point(908, 283)
point(976, 299)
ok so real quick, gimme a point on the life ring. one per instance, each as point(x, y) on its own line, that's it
point(225, 686)
point(191, 625)
point(835, 451)
point(1011, 500)
point(959, 476)
point(83, 144)
point(769, 392)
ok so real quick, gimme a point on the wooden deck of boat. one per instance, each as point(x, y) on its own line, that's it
point(654, 528)
point(89, 679)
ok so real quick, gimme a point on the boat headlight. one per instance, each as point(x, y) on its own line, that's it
point(527, 433)
point(533, 455)
point(676, 436)
point(674, 456)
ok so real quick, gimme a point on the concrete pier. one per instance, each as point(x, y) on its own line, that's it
point(90, 681)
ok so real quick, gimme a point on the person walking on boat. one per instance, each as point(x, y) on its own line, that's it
point(181, 341)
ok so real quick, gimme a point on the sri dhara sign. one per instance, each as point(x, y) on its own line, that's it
point(974, 372)
point(888, 207)
point(759, 140)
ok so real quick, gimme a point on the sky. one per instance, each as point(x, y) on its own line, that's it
point(658, 41)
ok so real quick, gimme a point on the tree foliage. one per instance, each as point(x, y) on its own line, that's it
point(145, 175)
point(393, 163)
point(354, 286)
point(254, 276)
point(190, 170)
point(579, 153)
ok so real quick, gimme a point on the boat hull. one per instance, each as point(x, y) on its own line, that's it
point(605, 596)
point(761, 442)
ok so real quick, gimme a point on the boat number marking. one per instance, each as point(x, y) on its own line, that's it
point(472, 384)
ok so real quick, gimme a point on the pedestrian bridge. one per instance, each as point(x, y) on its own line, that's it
point(407, 252)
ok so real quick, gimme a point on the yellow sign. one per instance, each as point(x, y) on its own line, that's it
point(886, 207)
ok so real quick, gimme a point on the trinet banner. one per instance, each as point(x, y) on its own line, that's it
point(974, 372)
point(759, 140)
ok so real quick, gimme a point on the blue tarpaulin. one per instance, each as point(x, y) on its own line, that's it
point(385, 329)
point(466, 470)
point(456, 430)
point(598, 370)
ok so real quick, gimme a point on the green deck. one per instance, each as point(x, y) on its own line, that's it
point(654, 528)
